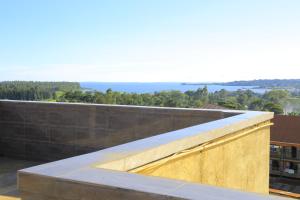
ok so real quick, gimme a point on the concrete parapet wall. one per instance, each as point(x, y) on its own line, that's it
point(51, 131)
point(109, 173)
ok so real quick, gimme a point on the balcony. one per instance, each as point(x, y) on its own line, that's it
point(134, 152)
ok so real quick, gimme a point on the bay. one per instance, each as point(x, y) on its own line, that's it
point(135, 87)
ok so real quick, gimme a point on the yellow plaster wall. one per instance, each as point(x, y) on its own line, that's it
point(2, 197)
point(242, 163)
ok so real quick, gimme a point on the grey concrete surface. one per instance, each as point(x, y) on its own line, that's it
point(8, 175)
point(51, 131)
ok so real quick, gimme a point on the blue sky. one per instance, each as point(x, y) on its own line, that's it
point(149, 40)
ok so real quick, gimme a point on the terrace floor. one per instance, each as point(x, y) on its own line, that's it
point(8, 176)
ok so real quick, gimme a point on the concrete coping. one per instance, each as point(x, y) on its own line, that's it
point(107, 168)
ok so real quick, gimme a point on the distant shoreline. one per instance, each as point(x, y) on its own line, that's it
point(268, 84)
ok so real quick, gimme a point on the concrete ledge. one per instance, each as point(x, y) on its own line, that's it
point(94, 183)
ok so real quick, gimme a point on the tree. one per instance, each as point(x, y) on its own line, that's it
point(273, 107)
point(256, 104)
point(294, 114)
point(230, 104)
point(276, 96)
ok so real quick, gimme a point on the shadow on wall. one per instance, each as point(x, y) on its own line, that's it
point(52, 131)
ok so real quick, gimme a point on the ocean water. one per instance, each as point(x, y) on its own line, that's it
point(157, 87)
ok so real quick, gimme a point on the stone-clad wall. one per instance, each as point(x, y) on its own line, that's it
point(52, 131)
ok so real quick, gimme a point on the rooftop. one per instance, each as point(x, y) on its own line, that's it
point(107, 151)
point(286, 129)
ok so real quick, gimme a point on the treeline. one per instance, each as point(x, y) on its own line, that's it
point(241, 99)
point(30, 90)
point(268, 83)
point(71, 92)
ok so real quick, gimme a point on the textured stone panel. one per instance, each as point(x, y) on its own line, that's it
point(87, 126)
point(36, 132)
point(12, 130)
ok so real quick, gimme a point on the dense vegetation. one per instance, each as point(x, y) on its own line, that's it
point(71, 92)
point(241, 99)
point(29, 90)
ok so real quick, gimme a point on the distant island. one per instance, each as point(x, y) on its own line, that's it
point(260, 83)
